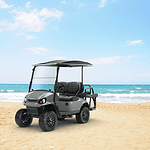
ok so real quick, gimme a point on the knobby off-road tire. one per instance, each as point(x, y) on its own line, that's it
point(48, 121)
point(83, 116)
point(22, 118)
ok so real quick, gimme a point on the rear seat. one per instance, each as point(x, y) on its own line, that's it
point(69, 91)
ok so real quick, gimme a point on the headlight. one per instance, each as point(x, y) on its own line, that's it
point(42, 101)
point(25, 100)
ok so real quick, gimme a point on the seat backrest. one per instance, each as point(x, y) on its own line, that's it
point(74, 87)
point(70, 88)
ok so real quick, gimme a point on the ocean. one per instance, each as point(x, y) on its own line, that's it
point(106, 93)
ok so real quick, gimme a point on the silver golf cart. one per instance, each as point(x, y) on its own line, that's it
point(50, 100)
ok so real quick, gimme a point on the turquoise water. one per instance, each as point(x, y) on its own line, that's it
point(121, 89)
point(101, 89)
point(13, 88)
point(107, 93)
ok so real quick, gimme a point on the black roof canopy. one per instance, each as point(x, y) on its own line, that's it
point(64, 63)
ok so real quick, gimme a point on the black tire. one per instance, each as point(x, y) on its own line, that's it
point(83, 116)
point(22, 118)
point(48, 121)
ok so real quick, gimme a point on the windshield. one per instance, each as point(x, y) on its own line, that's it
point(44, 78)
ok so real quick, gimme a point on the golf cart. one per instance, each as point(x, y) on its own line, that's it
point(51, 100)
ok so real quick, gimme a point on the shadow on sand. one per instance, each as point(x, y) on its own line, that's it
point(69, 122)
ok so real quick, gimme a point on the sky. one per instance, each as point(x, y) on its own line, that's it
point(114, 35)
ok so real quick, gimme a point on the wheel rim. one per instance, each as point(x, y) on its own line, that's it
point(25, 118)
point(50, 121)
point(85, 115)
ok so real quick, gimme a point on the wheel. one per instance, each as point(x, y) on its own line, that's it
point(48, 121)
point(83, 116)
point(22, 118)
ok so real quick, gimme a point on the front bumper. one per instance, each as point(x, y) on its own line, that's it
point(35, 110)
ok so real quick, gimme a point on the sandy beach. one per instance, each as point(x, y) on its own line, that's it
point(114, 126)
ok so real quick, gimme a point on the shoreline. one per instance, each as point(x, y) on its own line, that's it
point(107, 98)
point(99, 104)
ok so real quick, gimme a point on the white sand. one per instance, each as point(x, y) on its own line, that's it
point(111, 126)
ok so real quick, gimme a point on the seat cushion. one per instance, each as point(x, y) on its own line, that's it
point(67, 98)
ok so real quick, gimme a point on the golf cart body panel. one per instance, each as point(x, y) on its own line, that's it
point(76, 105)
point(40, 94)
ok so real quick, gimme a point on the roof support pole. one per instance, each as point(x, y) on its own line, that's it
point(55, 86)
point(55, 92)
point(82, 74)
point(31, 78)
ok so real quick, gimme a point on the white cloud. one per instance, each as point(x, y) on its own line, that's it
point(135, 42)
point(33, 21)
point(106, 60)
point(45, 13)
point(4, 23)
point(29, 37)
point(38, 50)
point(4, 5)
point(21, 33)
point(114, 59)
point(64, 2)
point(128, 58)
point(144, 75)
point(147, 55)
point(82, 4)
point(30, 21)
point(102, 3)
point(28, 4)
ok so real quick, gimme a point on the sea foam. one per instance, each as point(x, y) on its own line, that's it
point(124, 98)
point(12, 97)
point(109, 97)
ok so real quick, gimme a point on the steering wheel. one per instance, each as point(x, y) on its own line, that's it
point(60, 87)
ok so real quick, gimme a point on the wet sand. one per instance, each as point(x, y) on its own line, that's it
point(111, 127)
